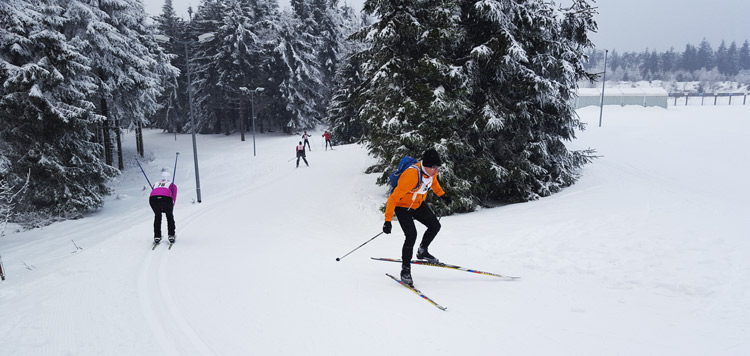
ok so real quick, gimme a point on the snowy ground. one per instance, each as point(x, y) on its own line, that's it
point(646, 255)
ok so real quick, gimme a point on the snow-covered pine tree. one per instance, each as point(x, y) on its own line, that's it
point(326, 19)
point(138, 70)
point(236, 61)
point(294, 68)
point(733, 59)
point(412, 93)
point(486, 83)
point(124, 58)
point(174, 113)
point(342, 111)
point(207, 95)
point(237, 57)
point(523, 60)
point(46, 116)
point(689, 60)
point(241, 57)
point(744, 56)
point(705, 57)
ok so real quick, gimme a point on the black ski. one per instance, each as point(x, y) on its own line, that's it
point(443, 265)
point(418, 292)
point(170, 245)
point(154, 246)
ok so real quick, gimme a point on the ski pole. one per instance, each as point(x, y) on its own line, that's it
point(373, 238)
point(174, 172)
point(144, 174)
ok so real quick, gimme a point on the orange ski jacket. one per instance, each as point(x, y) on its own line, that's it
point(406, 195)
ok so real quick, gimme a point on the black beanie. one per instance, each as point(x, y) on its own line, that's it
point(430, 158)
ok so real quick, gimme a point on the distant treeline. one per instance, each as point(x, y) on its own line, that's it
point(695, 63)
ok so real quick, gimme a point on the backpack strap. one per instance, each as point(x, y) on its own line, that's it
point(419, 174)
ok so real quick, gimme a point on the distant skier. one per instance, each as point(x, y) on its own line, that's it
point(162, 200)
point(327, 136)
point(406, 202)
point(301, 154)
point(306, 138)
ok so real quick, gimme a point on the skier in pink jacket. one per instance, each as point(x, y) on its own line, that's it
point(162, 200)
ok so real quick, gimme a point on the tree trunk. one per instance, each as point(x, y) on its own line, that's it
point(242, 121)
point(98, 137)
point(106, 137)
point(118, 135)
point(227, 122)
point(139, 139)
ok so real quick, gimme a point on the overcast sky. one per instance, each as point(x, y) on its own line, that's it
point(627, 25)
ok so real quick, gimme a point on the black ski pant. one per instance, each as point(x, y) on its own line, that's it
point(406, 218)
point(308, 144)
point(303, 158)
point(162, 204)
point(328, 143)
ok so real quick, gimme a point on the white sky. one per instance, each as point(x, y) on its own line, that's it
point(632, 25)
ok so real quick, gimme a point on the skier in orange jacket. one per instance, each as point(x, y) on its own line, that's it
point(406, 202)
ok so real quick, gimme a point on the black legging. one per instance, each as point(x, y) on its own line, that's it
point(159, 204)
point(406, 219)
point(301, 154)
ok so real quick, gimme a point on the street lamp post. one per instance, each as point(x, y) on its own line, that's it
point(202, 38)
point(252, 108)
point(192, 124)
point(604, 80)
point(252, 100)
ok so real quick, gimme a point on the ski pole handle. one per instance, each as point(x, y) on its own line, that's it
point(373, 238)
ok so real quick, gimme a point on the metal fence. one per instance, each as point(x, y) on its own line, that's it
point(701, 99)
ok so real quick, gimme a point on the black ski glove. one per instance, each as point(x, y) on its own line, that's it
point(446, 199)
point(387, 227)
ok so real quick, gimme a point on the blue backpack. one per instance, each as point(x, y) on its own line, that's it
point(406, 163)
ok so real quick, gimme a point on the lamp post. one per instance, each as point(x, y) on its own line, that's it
point(202, 38)
point(245, 90)
point(604, 80)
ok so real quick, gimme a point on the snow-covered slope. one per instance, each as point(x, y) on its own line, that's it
point(645, 255)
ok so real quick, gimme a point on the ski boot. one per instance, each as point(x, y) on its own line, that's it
point(422, 254)
point(157, 239)
point(406, 276)
point(171, 239)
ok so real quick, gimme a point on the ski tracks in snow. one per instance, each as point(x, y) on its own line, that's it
point(169, 325)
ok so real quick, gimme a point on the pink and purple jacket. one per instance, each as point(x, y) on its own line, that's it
point(165, 188)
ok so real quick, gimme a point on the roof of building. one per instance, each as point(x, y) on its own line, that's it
point(622, 92)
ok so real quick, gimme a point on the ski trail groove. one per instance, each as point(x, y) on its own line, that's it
point(168, 323)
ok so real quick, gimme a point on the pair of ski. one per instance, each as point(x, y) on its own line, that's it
point(437, 264)
point(159, 243)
